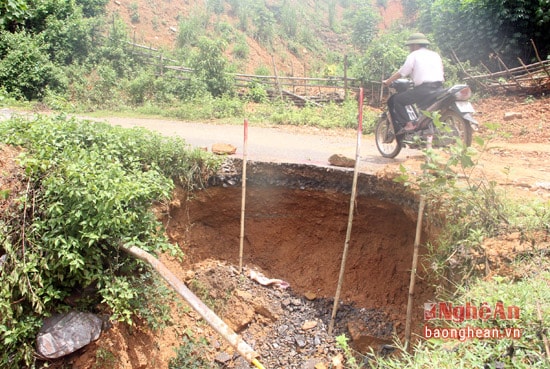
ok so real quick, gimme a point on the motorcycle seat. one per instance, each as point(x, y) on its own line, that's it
point(430, 98)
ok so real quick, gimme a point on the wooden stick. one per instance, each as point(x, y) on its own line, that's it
point(538, 57)
point(382, 85)
point(243, 196)
point(277, 77)
point(350, 215)
point(509, 74)
point(413, 271)
point(529, 74)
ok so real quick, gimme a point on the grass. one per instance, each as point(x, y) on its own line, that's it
point(227, 110)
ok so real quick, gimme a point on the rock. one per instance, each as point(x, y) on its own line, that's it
point(309, 324)
point(300, 341)
point(265, 310)
point(222, 357)
point(238, 315)
point(223, 149)
point(241, 363)
point(65, 333)
point(362, 341)
point(543, 185)
point(246, 296)
point(512, 116)
point(311, 364)
point(340, 160)
point(310, 296)
point(338, 361)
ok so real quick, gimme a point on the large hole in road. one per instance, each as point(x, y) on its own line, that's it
point(296, 220)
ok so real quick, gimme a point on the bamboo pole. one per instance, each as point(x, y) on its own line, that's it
point(243, 196)
point(346, 77)
point(382, 85)
point(350, 215)
point(538, 57)
point(277, 77)
point(413, 270)
point(211, 318)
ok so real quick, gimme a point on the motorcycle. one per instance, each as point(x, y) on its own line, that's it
point(455, 121)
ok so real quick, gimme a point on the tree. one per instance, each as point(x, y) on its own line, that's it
point(212, 67)
point(479, 30)
point(25, 69)
point(12, 12)
point(364, 25)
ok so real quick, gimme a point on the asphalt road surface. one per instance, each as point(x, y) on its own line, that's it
point(277, 144)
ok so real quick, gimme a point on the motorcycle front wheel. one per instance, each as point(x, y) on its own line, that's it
point(453, 127)
point(388, 144)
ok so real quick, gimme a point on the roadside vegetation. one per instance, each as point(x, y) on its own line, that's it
point(469, 209)
point(90, 187)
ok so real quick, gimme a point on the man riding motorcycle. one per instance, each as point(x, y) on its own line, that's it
point(425, 68)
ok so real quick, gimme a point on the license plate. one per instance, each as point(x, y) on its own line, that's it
point(464, 106)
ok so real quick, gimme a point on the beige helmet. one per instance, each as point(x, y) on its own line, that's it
point(417, 39)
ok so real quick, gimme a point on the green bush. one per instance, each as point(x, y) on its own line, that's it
point(212, 67)
point(91, 188)
point(363, 22)
point(382, 58)
point(241, 50)
point(12, 12)
point(190, 355)
point(257, 93)
point(25, 70)
point(141, 88)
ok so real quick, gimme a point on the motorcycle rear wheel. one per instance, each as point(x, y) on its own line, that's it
point(454, 127)
point(384, 132)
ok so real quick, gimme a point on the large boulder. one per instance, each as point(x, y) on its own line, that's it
point(65, 333)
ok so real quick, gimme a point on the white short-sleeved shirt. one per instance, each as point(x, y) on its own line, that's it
point(423, 65)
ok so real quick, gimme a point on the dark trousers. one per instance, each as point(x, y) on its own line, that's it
point(421, 95)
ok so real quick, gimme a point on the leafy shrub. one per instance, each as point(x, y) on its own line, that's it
point(190, 355)
point(264, 22)
point(364, 25)
point(241, 50)
point(212, 67)
point(134, 12)
point(25, 70)
point(91, 187)
point(188, 33)
point(289, 19)
point(383, 57)
point(95, 88)
point(141, 88)
point(92, 8)
point(262, 70)
point(13, 12)
point(257, 93)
